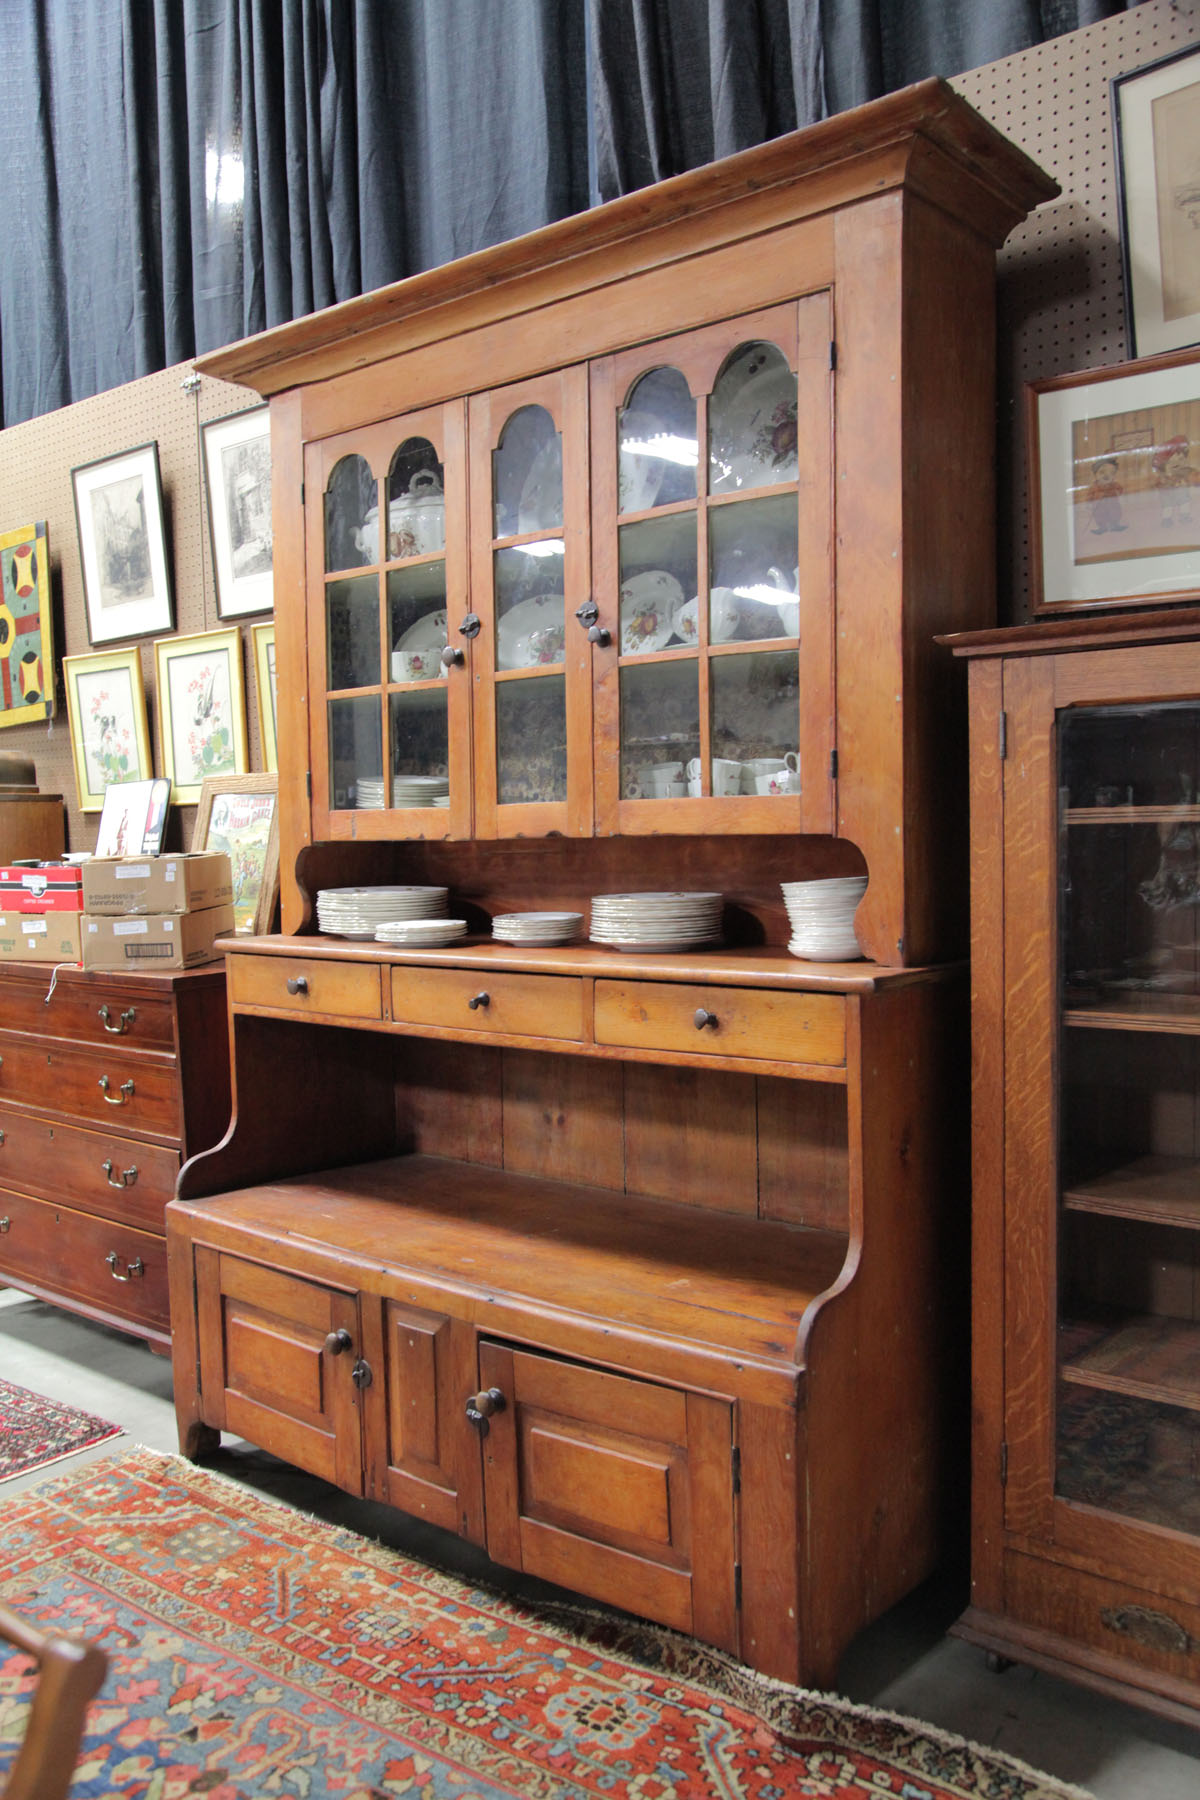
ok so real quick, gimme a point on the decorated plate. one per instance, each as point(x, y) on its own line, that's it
point(649, 603)
point(532, 632)
point(429, 633)
point(754, 438)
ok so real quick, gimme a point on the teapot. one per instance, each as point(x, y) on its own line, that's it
point(417, 520)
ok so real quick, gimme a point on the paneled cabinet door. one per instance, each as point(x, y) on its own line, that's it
point(386, 553)
point(712, 464)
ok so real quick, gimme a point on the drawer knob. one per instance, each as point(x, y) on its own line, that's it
point(481, 1407)
point(337, 1341)
point(5, 1223)
point(478, 1000)
point(128, 1176)
point(453, 657)
point(297, 984)
point(704, 1018)
point(136, 1267)
point(123, 1023)
point(125, 1096)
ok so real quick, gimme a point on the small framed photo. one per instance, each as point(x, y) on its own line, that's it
point(26, 627)
point(1114, 457)
point(240, 815)
point(133, 818)
point(106, 709)
point(201, 709)
point(1156, 128)
point(123, 546)
point(264, 682)
point(237, 474)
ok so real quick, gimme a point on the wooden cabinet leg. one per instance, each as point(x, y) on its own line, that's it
point(199, 1441)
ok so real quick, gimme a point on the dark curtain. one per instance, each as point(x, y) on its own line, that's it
point(180, 173)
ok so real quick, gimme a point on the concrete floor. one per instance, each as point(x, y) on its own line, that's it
point(904, 1663)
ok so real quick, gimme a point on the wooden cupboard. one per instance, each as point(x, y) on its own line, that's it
point(1087, 1193)
point(606, 561)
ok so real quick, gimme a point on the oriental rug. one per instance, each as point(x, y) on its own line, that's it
point(257, 1652)
point(35, 1431)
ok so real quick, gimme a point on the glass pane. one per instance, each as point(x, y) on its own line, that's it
point(416, 501)
point(752, 421)
point(660, 729)
point(355, 753)
point(351, 515)
point(531, 740)
point(420, 740)
point(530, 608)
point(755, 723)
point(753, 558)
point(417, 628)
point(657, 447)
point(658, 584)
point(352, 615)
point(527, 474)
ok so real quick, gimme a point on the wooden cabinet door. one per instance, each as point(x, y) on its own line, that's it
point(277, 1357)
point(618, 1488)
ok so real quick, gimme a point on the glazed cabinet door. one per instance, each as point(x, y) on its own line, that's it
point(386, 553)
point(712, 463)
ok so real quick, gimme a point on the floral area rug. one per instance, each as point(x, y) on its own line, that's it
point(35, 1431)
point(257, 1652)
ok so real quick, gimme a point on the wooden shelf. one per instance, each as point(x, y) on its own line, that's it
point(1159, 1189)
point(1154, 1359)
point(1137, 1009)
point(1132, 815)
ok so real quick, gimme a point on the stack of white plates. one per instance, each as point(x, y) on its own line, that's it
point(419, 790)
point(358, 912)
point(421, 934)
point(536, 927)
point(369, 792)
point(821, 914)
point(656, 921)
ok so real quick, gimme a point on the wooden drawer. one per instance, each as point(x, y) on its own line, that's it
point(300, 984)
point(1109, 1618)
point(106, 1087)
point(67, 1162)
point(61, 1253)
point(543, 1006)
point(86, 1010)
point(760, 1023)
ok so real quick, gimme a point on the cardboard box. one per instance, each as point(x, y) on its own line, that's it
point(117, 885)
point(40, 937)
point(173, 940)
point(49, 887)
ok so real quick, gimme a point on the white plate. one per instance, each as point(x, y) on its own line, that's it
point(541, 503)
point(757, 443)
point(429, 633)
point(532, 633)
point(724, 618)
point(652, 945)
point(639, 474)
point(649, 603)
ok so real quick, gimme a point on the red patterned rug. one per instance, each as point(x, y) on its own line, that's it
point(35, 1431)
point(256, 1652)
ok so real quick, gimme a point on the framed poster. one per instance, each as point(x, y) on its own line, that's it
point(1156, 129)
point(26, 628)
point(106, 708)
point(237, 474)
point(264, 682)
point(133, 818)
point(123, 545)
point(201, 709)
point(240, 815)
point(1114, 457)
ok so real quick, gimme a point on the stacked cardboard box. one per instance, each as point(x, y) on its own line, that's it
point(40, 906)
point(155, 912)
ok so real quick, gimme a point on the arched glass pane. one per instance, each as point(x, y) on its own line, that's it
point(657, 449)
point(351, 500)
point(416, 501)
point(752, 421)
point(527, 477)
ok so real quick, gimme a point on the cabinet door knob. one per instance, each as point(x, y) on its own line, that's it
point(481, 1407)
point(136, 1267)
point(599, 634)
point(125, 1092)
point(297, 984)
point(361, 1374)
point(123, 1023)
point(588, 613)
point(470, 626)
point(703, 1017)
point(337, 1341)
point(128, 1176)
point(452, 656)
point(478, 1000)
point(5, 1223)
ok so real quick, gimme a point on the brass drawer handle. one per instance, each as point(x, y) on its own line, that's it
point(297, 984)
point(1157, 1630)
point(123, 1023)
point(478, 1000)
point(126, 1092)
point(128, 1176)
point(703, 1017)
point(136, 1267)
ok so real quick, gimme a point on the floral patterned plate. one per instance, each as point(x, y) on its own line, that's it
point(754, 436)
point(649, 603)
point(532, 633)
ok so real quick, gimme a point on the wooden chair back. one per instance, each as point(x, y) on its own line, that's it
point(70, 1671)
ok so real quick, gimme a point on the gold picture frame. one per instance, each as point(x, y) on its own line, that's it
point(240, 815)
point(201, 709)
point(110, 733)
point(265, 692)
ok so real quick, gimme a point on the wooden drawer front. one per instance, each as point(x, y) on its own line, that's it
point(271, 1369)
point(105, 1087)
point(613, 1487)
point(61, 1252)
point(545, 1006)
point(67, 1163)
point(104, 1013)
point(769, 1026)
point(1105, 1619)
point(301, 984)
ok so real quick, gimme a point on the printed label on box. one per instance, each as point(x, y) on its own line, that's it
point(133, 872)
point(123, 927)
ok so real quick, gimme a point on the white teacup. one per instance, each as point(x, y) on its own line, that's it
point(416, 665)
point(694, 785)
point(777, 781)
point(726, 776)
point(657, 779)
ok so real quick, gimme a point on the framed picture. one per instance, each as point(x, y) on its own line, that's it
point(264, 680)
point(110, 738)
point(26, 640)
point(133, 818)
point(123, 545)
point(1156, 128)
point(1115, 485)
point(237, 474)
point(201, 709)
point(240, 815)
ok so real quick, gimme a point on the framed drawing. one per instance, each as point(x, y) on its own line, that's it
point(123, 545)
point(1114, 458)
point(1156, 128)
point(26, 635)
point(240, 815)
point(106, 708)
point(264, 681)
point(201, 709)
point(237, 475)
